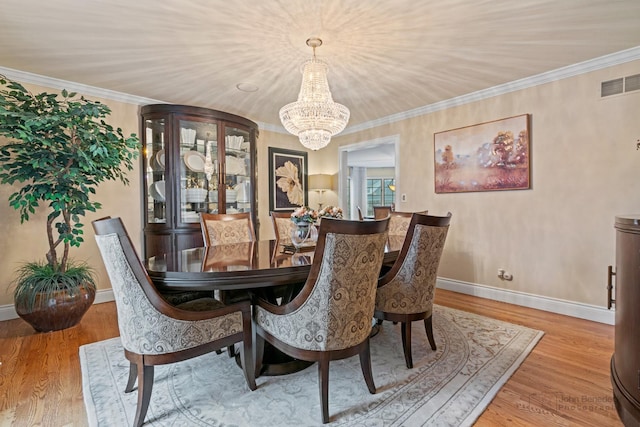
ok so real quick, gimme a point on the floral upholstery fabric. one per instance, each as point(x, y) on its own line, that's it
point(338, 312)
point(233, 231)
point(285, 228)
point(411, 291)
point(143, 329)
point(398, 225)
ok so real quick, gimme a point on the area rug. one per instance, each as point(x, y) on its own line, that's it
point(448, 387)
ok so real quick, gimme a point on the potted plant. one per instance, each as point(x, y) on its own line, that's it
point(58, 149)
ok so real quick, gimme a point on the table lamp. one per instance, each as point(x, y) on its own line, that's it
point(320, 183)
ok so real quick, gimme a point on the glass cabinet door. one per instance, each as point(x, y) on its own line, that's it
point(155, 159)
point(198, 163)
point(237, 171)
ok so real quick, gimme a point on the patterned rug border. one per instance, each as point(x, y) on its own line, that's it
point(476, 356)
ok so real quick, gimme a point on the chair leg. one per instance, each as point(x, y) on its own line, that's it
point(133, 375)
point(246, 360)
point(231, 350)
point(428, 326)
point(258, 352)
point(365, 364)
point(406, 343)
point(145, 386)
point(323, 381)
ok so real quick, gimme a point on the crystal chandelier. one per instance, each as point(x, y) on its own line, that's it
point(314, 117)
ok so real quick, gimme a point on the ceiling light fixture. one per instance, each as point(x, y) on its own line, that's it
point(314, 117)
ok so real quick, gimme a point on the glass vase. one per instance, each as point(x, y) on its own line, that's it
point(304, 234)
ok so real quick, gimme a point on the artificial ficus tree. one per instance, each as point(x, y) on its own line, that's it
point(58, 150)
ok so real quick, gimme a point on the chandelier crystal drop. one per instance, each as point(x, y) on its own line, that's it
point(314, 117)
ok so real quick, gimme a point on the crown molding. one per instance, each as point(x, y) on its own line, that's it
point(528, 82)
point(37, 79)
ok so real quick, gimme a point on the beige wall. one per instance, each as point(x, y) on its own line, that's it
point(557, 238)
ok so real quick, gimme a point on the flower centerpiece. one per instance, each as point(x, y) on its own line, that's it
point(304, 215)
point(330, 212)
point(305, 233)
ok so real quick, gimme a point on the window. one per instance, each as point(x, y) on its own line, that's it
point(378, 193)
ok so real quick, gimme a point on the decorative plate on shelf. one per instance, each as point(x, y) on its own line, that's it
point(194, 161)
point(158, 160)
point(156, 190)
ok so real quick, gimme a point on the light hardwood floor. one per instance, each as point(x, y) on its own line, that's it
point(563, 382)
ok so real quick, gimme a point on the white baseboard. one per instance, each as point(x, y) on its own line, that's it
point(8, 312)
point(568, 308)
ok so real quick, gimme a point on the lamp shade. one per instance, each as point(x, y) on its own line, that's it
point(320, 182)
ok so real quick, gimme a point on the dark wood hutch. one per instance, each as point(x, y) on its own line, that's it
point(193, 160)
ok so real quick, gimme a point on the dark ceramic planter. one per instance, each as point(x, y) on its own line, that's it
point(59, 311)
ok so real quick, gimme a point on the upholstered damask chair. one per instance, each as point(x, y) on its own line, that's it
point(380, 212)
point(282, 227)
point(330, 318)
point(405, 293)
point(152, 331)
point(399, 223)
point(227, 228)
point(221, 229)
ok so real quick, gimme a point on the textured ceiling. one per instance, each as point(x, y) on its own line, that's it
point(385, 57)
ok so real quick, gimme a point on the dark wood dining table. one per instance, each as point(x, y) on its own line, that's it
point(257, 267)
point(250, 266)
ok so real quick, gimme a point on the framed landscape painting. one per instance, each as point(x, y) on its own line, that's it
point(484, 157)
point(287, 179)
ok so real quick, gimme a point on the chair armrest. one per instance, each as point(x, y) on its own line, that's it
point(180, 314)
point(268, 306)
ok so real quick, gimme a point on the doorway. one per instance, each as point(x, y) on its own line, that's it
point(366, 169)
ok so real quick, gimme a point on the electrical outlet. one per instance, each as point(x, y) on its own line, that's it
point(403, 197)
point(504, 275)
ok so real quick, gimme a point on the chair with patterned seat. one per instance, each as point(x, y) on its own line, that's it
point(380, 212)
point(405, 293)
point(399, 222)
point(221, 229)
point(227, 228)
point(330, 318)
point(282, 227)
point(154, 332)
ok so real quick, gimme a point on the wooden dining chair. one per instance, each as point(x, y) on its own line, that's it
point(405, 293)
point(282, 227)
point(154, 332)
point(227, 228)
point(380, 212)
point(330, 318)
point(399, 222)
point(220, 229)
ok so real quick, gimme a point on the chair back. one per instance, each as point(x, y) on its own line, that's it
point(399, 222)
point(141, 310)
point(282, 227)
point(336, 304)
point(411, 281)
point(380, 212)
point(227, 228)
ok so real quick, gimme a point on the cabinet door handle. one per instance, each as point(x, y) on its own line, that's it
point(610, 301)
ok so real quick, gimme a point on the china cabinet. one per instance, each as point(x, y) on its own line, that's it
point(193, 160)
